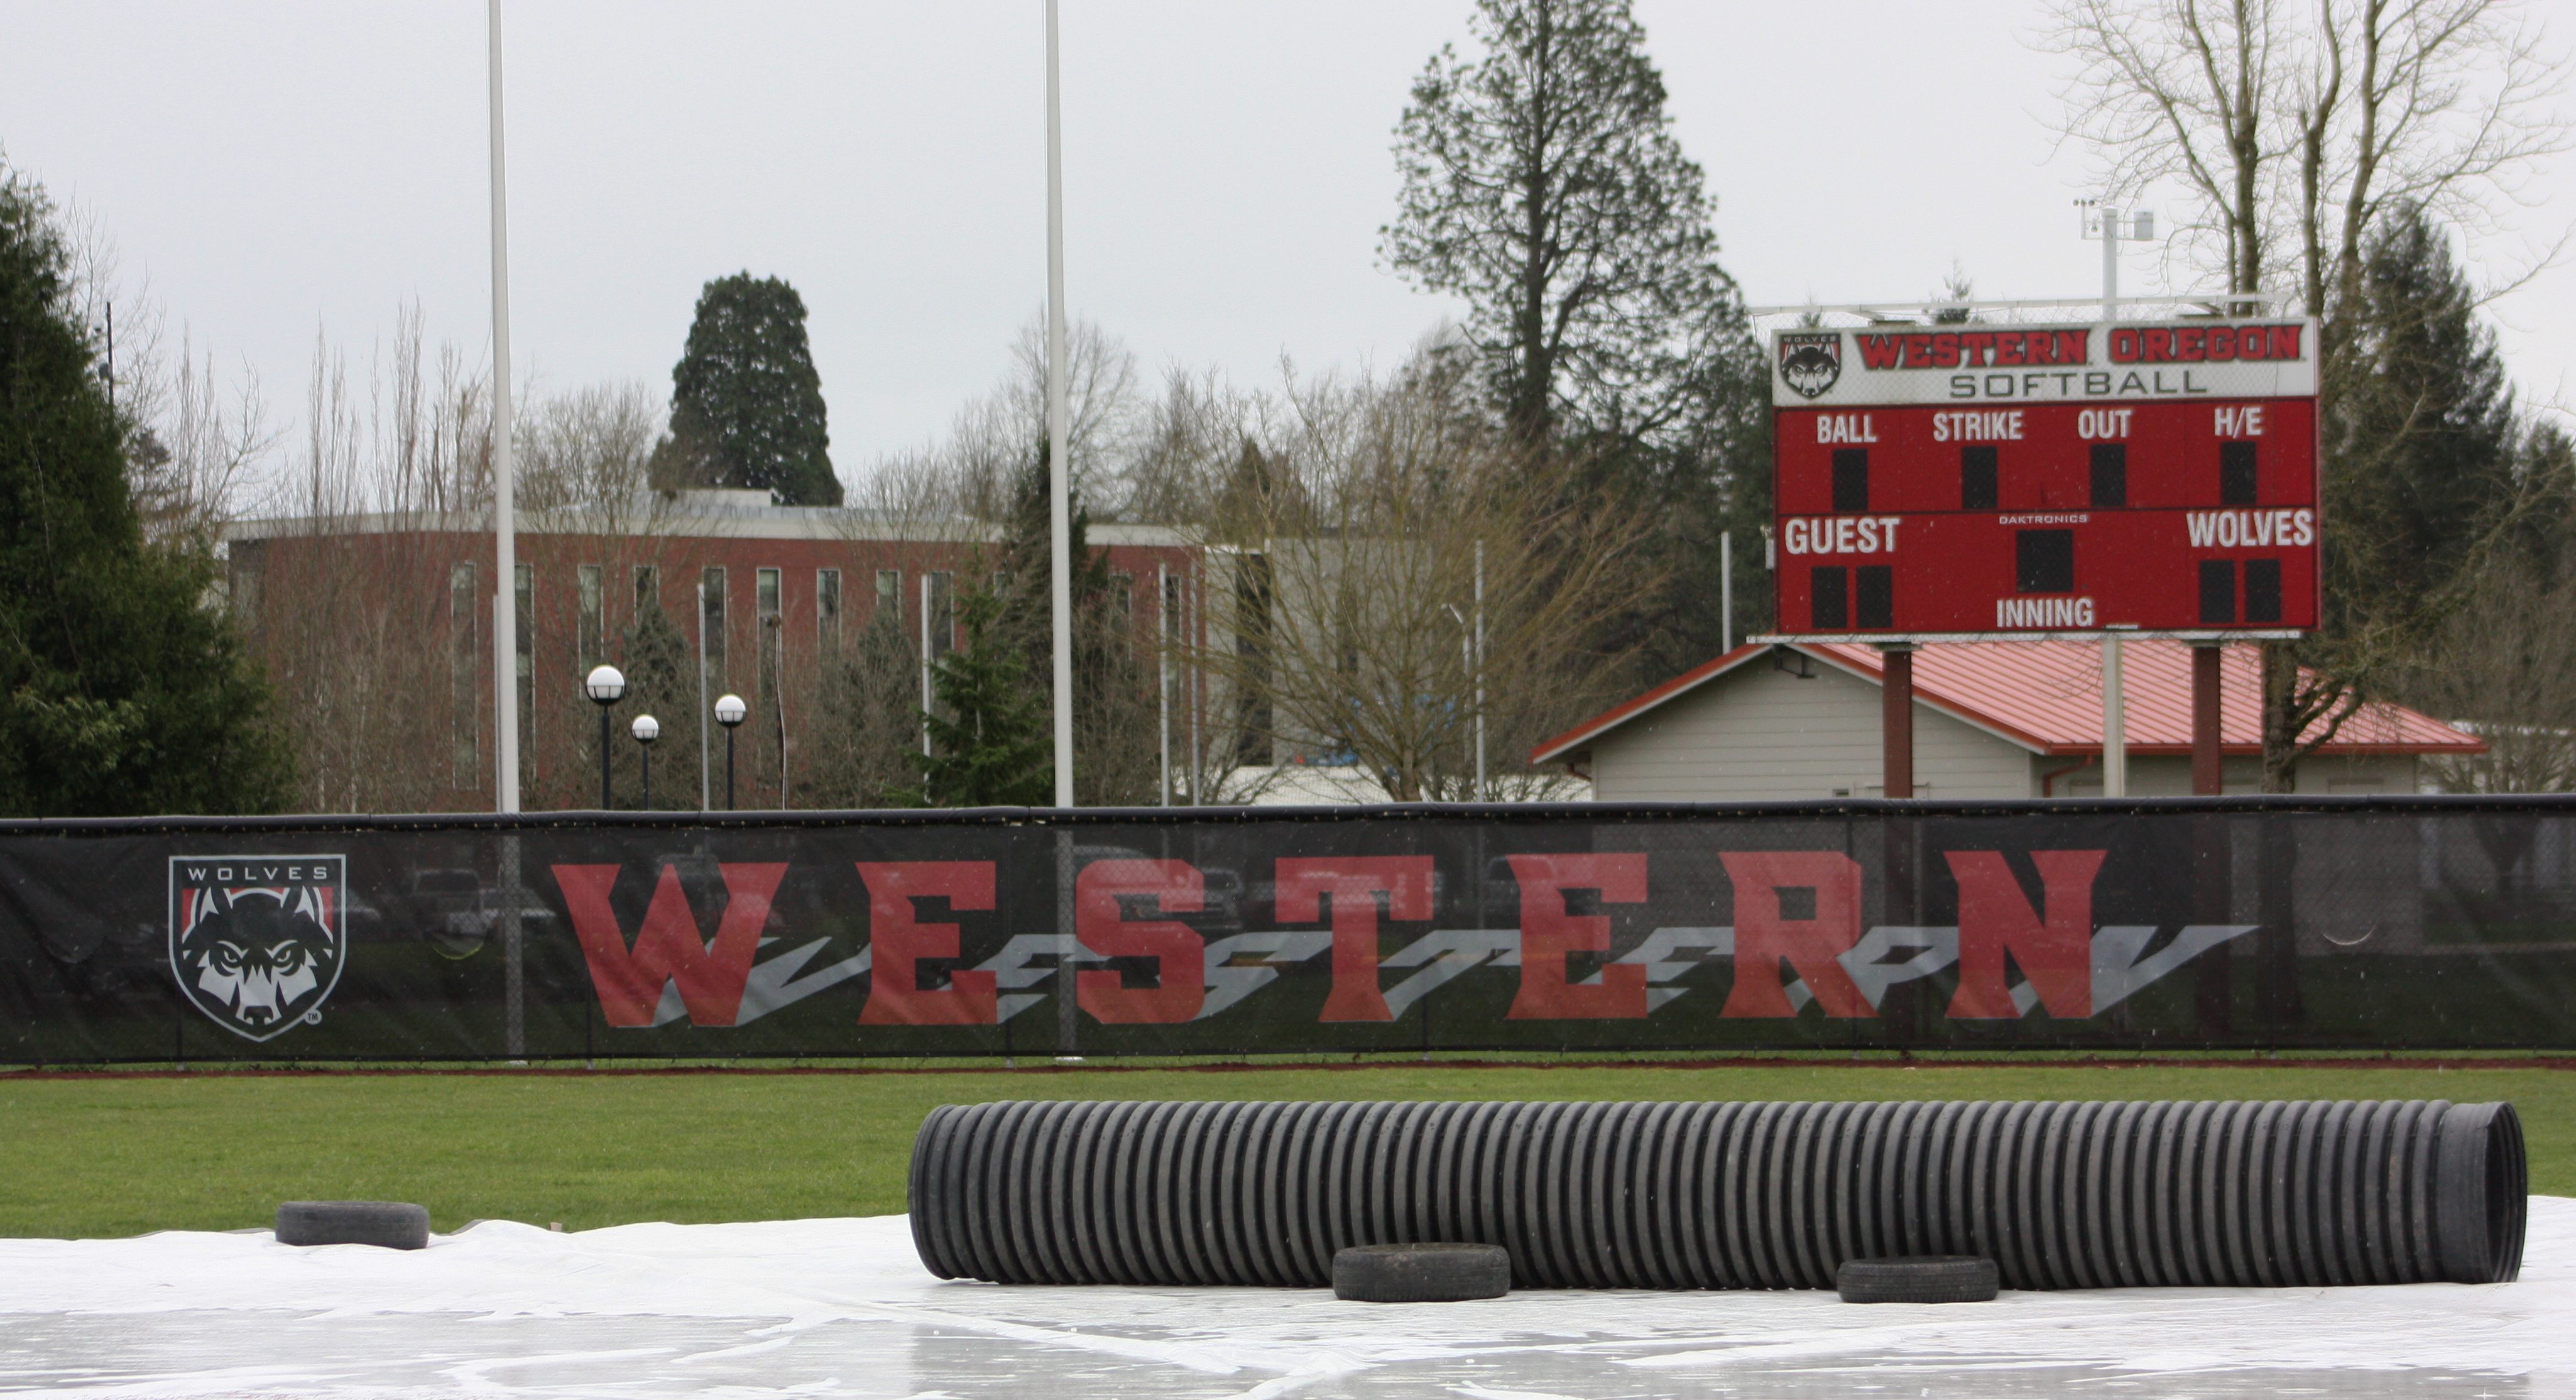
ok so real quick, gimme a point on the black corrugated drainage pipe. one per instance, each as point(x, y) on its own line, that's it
point(1726, 1195)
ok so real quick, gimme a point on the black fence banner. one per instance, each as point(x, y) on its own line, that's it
point(2429, 923)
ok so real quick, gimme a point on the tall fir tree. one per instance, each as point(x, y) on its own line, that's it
point(746, 405)
point(1541, 182)
point(1113, 753)
point(989, 745)
point(2425, 448)
point(123, 689)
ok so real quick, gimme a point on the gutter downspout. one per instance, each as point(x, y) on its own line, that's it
point(2046, 779)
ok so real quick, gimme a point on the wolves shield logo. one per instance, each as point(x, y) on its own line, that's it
point(1810, 361)
point(257, 942)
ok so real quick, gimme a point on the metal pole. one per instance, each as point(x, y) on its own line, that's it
point(704, 796)
point(505, 591)
point(2115, 726)
point(1163, 671)
point(729, 768)
point(505, 631)
point(1060, 471)
point(607, 803)
point(1060, 551)
point(2115, 719)
point(2110, 263)
point(1194, 618)
point(1480, 671)
point(1726, 592)
point(925, 663)
point(647, 804)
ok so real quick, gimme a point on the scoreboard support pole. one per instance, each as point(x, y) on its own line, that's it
point(1897, 732)
point(2115, 721)
point(2213, 854)
point(2206, 778)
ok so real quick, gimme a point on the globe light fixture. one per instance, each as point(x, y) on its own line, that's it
point(605, 686)
point(646, 729)
point(730, 712)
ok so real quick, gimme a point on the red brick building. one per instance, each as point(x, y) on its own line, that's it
point(378, 629)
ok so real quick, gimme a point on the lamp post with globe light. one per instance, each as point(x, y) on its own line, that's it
point(605, 685)
point(730, 712)
point(646, 729)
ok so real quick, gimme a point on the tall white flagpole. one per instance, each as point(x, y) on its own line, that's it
point(505, 613)
point(1059, 508)
point(1060, 563)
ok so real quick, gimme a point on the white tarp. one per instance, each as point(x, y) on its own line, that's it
point(842, 1307)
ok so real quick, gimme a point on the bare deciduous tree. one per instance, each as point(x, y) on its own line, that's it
point(2294, 131)
point(1343, 594)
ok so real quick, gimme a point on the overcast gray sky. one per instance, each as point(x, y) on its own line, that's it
point(279, 169)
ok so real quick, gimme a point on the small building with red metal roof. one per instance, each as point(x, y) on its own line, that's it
point(1991, 720)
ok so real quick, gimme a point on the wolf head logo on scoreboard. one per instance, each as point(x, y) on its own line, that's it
point(1811, 361)
point(257, 942)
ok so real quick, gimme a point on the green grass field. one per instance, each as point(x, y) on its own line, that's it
point(94, 1156)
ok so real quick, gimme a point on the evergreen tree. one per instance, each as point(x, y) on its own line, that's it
point(2425, 449)
point(989, 745)
point(1113, 734)
point(1542, 183)
point(661, 681)
point(122, 692)
point(746, 405)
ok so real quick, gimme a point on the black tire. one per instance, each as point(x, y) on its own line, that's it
point(389, 1224)
point(1421, 1273)
point(1933, 1278)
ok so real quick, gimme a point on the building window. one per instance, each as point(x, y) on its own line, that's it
point(1122, 605)
point(765, 600)
point(465, 672)
point(711, 625)
point(938, 615)
point(592, 626)
point(524, 641)
point(1254, 596)
point(827, 614)
point(938, 638)
point(889, 597)
point(648, 591)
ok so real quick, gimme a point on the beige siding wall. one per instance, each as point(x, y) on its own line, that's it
point(1758, 734)
point(2162, 775)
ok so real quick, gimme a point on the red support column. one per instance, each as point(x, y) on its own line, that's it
point(2206, 779)
point(2213, 855)
point(1898, 712)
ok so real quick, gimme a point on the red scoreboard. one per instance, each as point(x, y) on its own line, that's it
point(2044, 480)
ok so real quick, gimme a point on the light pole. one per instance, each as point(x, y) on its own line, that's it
point(646, 729)
point(505, 530)
point(730, 712)
point(2138, 227)
point(1471, 639)
point(605, 686)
